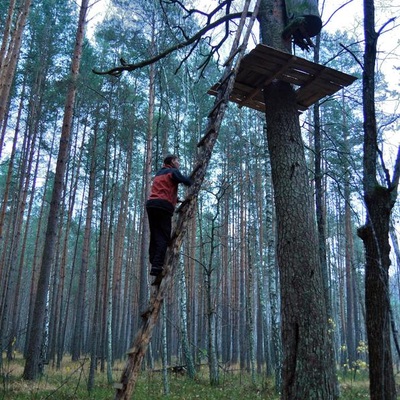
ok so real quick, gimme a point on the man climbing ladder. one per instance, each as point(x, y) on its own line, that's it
point(160, 208)
point(132, 368)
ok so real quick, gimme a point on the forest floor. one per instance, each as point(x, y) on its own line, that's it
point(70, 382)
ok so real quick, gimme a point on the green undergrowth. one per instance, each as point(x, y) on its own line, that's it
point(70, 382)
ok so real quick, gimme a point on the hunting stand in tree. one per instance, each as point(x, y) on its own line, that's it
point(265, 64)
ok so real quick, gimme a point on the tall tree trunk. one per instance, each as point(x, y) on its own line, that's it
point(119, 243)
point(349, 273)
point(164, 350)
point(102, 254)
point(379, 201)
point(306, 374)
point(36, 255)
point(272, 271)
point(78, 330)
point(242, 273)
point(320, 192)
point(308, 365)
point(65, 299)
point(33, 364)
point(7, 243)
point(9, 57)
point(187, 355)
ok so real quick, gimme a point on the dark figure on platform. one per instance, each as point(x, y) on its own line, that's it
point(160, 209)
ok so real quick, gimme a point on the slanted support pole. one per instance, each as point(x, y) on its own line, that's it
point(125, 388)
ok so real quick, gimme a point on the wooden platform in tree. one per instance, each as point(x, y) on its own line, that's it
point(264, 64)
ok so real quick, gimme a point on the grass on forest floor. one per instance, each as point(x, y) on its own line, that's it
point(70, 382)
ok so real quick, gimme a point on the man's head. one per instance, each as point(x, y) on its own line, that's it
point(172, 160)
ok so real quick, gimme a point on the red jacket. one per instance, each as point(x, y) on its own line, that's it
point(164, 190)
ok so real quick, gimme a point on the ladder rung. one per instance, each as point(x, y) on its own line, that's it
point(216, 106)
point(211, 129)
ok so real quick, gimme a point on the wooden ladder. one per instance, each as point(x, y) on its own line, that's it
point(125, 387)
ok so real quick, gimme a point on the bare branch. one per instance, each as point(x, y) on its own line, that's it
point(117, 71)
point(354, 56)
point(338, 9)
point(396, 176)
point(384, 169)
point(386, 24)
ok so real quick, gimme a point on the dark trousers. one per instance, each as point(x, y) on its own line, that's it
point(160, 235)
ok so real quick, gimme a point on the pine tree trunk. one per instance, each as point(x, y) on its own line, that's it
point(96, 344)
point(349, 249)
point(308, 368)
point(7, 242)
point(7, 32)
point(65, 304)
point(242, 273)
point(8, 60)
point(36, 256)
point(78, 330)
point(16, 320)
point(33, 361)
point(119, 248)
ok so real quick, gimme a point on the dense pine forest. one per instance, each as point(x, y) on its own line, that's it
point(287, 272)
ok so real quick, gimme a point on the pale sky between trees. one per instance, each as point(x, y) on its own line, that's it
point(348, 17)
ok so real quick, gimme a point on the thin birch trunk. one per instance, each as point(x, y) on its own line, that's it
point(211, 324)
point(261, 265)
point(272, 271)
point(164, 351)
point(187, 355)
point(110, 332)
point(349, 249)
point(192, 290)
point(250, 314)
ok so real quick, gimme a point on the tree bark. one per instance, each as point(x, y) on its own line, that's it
point(308, 369)
point(78, 329)
point(187, 355)
point(33, 364)
point(308, 366)
point(379, 201)
point(9, 57)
